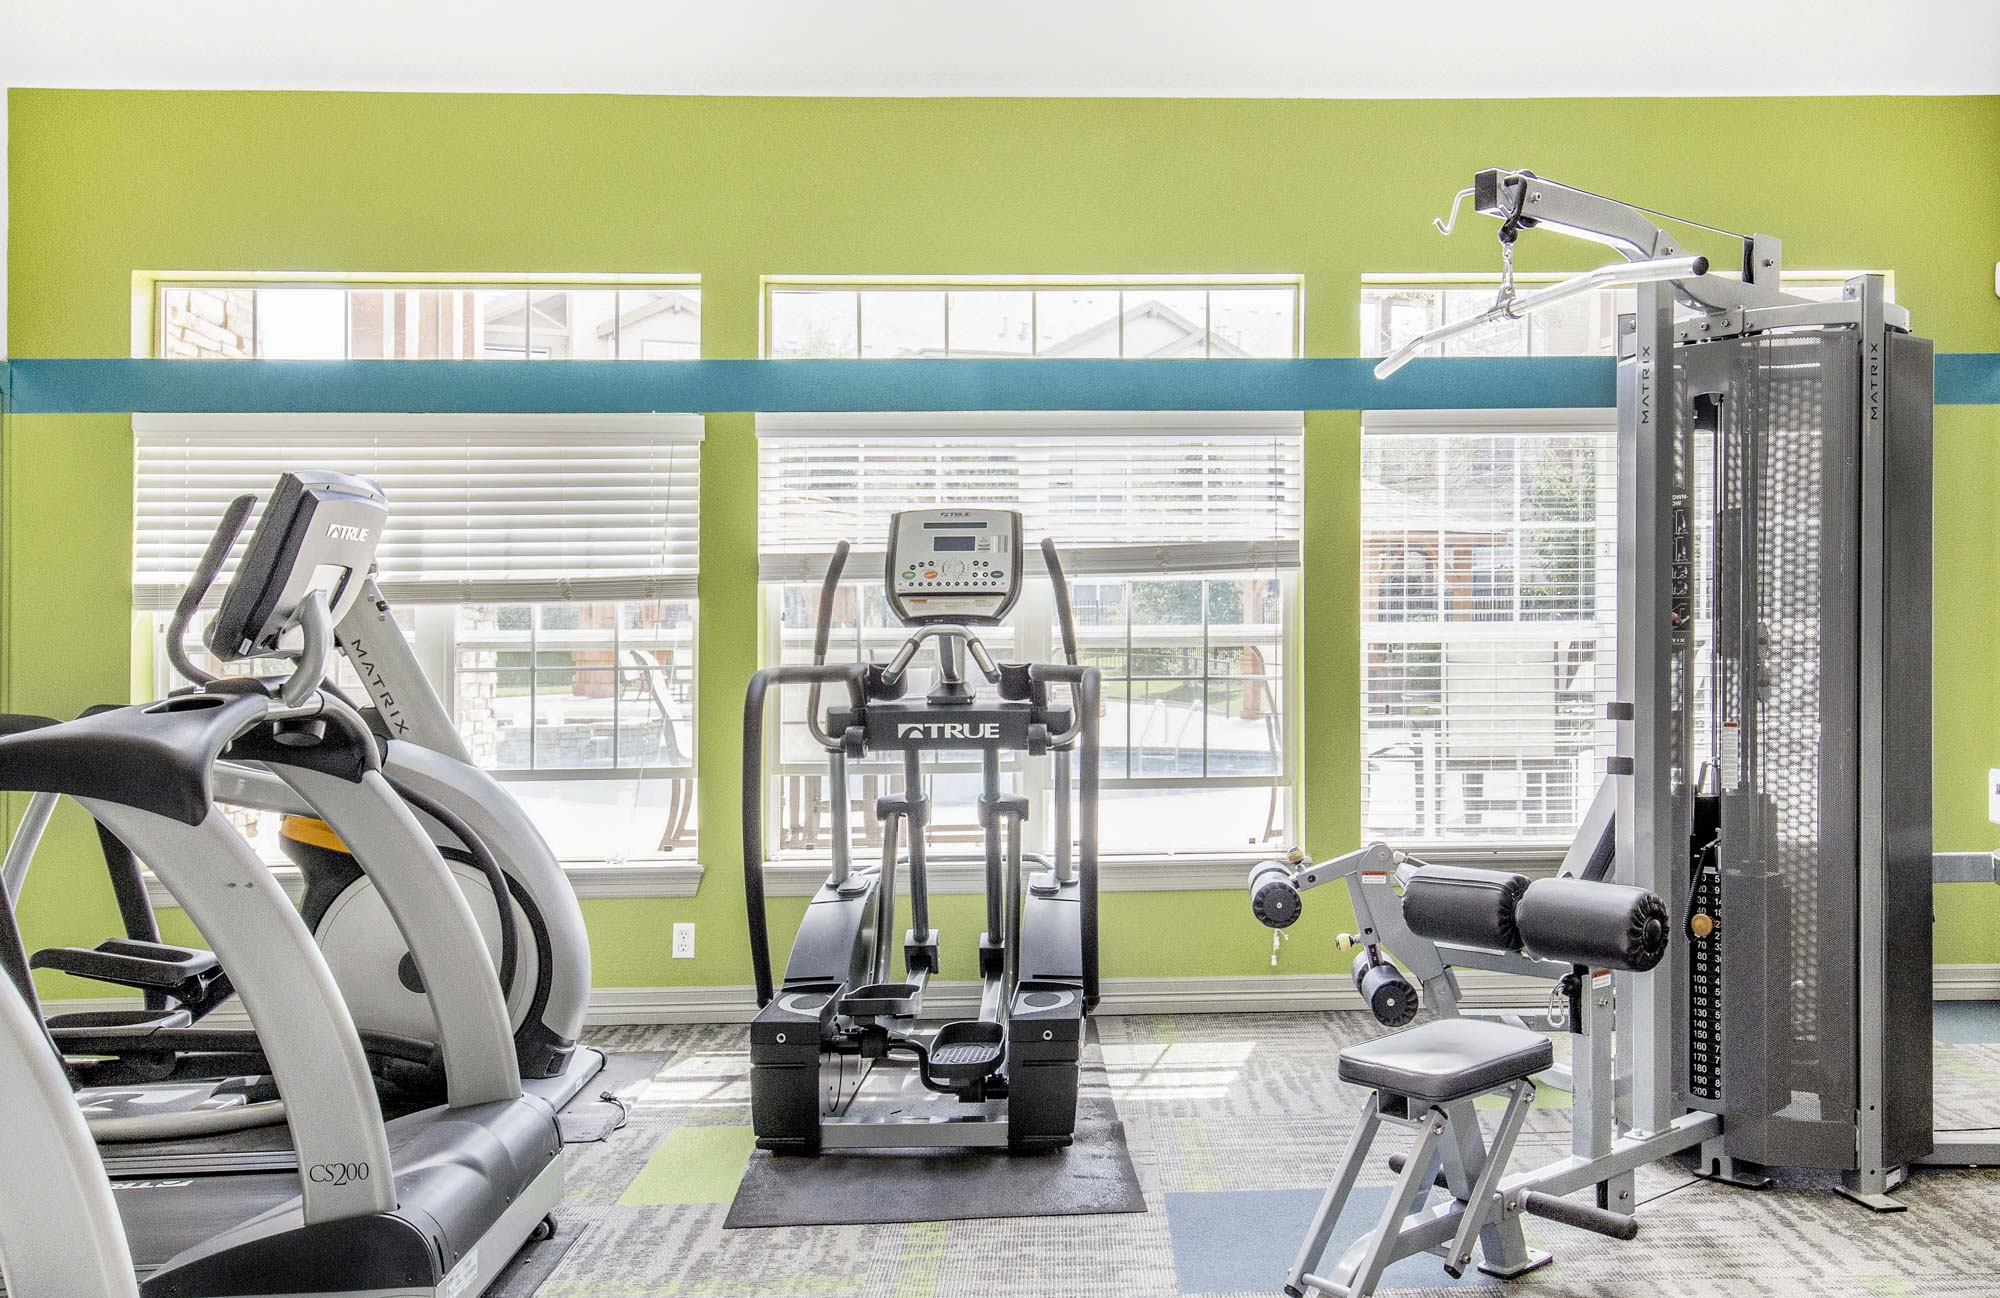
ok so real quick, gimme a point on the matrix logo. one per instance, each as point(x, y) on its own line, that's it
point(948, 730)
point(346, 532)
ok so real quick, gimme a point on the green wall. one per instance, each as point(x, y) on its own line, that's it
point(106, 183)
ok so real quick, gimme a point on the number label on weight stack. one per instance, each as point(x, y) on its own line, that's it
point(1705, 990)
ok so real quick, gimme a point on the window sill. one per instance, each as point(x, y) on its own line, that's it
point(593, 880)
point(1212, 872)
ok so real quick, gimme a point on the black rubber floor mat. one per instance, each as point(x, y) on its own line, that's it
point(1093, 1175)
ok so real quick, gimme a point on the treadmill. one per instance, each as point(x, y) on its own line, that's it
point(431, 1204)
point(484, 834)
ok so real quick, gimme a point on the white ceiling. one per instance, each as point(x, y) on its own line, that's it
point(1283, 48)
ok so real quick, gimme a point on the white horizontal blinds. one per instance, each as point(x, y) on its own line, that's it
point(482, 508)
point(1136, 494)
point(1489, 577)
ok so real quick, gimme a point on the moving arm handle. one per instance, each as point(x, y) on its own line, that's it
point(198, 586)
point(823, 631)
point(855, 677)
point(1064, 617)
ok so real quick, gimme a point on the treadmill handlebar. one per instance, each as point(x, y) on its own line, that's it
point(219, 545)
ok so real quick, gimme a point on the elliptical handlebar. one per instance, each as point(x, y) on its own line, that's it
point(822, 635)
point(219, 545)
point(855, 677)
point(829, 586)
point(941, 631)
point(1065, 619)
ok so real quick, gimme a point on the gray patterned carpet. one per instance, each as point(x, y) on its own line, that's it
point(1235, 1122)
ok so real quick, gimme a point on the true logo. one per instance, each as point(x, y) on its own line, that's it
point(346, 532)
point(179, 1183)
point(948, 730)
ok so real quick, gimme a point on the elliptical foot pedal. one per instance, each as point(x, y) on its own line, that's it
point(884, 1001)
point(968, 1050)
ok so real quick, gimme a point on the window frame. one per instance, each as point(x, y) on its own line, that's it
point(797, 872)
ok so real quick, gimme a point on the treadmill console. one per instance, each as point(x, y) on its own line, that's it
point(318, 532)
point(953, 565)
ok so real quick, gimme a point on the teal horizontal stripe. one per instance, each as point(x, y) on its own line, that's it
point(54, 386)
point(116, 385)
point(1968, 379)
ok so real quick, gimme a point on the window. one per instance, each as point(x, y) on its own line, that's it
point(543, 566)
point(240, 320)
point(1180, 537)
point(1489, 583)
point(1104, 318)
point(1489, 573)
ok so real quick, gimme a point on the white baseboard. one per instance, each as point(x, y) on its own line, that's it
point(1965, 982)
point(1251, 994)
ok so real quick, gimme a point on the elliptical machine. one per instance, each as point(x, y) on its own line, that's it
point(837, 1015)
point(537, 942)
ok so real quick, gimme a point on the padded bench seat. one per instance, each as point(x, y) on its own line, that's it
point(1448, 1059)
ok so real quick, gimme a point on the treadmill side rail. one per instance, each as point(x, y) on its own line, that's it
point(436, 924)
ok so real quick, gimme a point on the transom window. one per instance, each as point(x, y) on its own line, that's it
point(221, 319)
point(986, 319)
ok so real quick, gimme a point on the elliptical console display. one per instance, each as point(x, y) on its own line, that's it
point(953, 565)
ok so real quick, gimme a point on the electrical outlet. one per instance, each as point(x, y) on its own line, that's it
point(683, 941)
